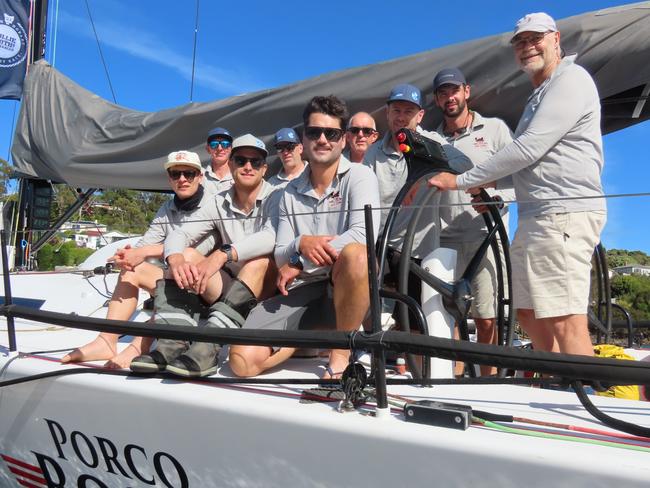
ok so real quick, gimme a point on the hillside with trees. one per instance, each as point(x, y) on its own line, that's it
point(632, 292)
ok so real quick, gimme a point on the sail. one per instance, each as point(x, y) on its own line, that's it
point(67, 134)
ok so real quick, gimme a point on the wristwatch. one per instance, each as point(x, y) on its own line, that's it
point(295, 261)
point(227, 250)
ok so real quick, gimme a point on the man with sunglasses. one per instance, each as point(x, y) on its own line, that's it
point(231, 278)
point(320, 248)
point(289, 149)
point(360, 135)
point(479, 138)
point(555, 164)
point(184, 173)
point(217, 175)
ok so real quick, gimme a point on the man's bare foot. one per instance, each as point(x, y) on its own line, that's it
point(339, 360)
point(100, 348)
point(123, 359)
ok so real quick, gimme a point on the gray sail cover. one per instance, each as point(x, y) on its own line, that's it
point(67, 134)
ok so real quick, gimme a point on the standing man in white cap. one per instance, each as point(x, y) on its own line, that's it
point(289, 148)
point(184, 173)
point(555, 164)
point(478, 138)
point(232, 278)
point(360, 135)
point(217, 175)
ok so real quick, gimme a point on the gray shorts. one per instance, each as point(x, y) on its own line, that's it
point(306, 307)
point(484, 284)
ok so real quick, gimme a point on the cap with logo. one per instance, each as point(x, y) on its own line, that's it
point(249, 140)
point(219, 132)
point(405, 93)
point(535, 22)
point(449, 76)
point(287, 135)
point(183, 158)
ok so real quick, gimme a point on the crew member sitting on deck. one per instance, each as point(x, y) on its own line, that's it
point(231, 278)
point(184, 172)
point(359, 136)
point(321, 244)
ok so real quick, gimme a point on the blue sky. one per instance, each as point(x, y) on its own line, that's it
point(245, 46)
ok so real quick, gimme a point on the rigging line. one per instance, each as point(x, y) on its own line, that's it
point(55, 29)
point(101, 54)
point(196, 32)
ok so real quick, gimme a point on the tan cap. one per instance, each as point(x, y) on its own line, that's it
point(183, 158)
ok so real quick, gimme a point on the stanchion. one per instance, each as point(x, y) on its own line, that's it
point(378, 354)
point(11, 328)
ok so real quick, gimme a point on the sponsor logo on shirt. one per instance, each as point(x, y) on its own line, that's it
point(334, 200)
point(479, 142)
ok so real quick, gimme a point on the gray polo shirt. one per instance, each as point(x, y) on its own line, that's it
point(251, 234)
point(304, 212)
point(280, 179)
point(557, 151)
point(214, 184)
point(390, 167)
point(482, 139)
point(169, 219)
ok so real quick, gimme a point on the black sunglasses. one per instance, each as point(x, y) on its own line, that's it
point(214, 143)
point(367, 131)
point(189, 174)
point(331, 134)
point(241, 161)
point(290, 146)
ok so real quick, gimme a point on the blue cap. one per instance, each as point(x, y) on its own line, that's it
point(219, 131)
point(287, 135)
point(405, 93)
point(449, 76)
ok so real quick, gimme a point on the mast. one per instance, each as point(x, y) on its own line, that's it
point(26, 187)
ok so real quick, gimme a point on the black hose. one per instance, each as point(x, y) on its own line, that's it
point(617, 424)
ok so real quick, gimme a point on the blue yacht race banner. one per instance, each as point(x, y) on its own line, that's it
point(14, 22)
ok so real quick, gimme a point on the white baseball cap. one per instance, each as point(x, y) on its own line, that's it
point(249, 140)
point(535, 22)
point(183, 158)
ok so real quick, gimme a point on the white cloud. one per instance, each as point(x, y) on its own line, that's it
point(144, 45)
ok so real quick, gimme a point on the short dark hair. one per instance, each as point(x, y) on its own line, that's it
point(329, 105)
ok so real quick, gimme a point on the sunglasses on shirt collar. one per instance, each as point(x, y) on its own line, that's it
point(332, 134)
point(188, 174)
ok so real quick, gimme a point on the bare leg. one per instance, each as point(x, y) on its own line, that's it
point(486, 332)
point(122, 305)
point(459, 366)
point(249, 361)
point(571, 333)
point(351, 298)
point(542, 338)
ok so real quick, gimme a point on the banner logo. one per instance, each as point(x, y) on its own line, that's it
point(13, 42)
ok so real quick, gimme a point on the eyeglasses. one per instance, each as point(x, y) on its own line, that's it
point(214, 143)
point(290, 146)
point(533, 40)
point(331, 134)
point(241, 161)
point(188, 174)
point(367, 131)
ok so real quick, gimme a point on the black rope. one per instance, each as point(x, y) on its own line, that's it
point(612, 422)
point(101, 54)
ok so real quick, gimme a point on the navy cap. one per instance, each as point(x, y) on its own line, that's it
point(287, 135)
point(449, 76)
point(405, 93)
point(219, 131)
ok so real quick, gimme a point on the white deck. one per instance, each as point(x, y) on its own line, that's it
point(130, 431)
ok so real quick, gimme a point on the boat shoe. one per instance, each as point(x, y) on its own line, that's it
point(156, 361)
point(201, 359)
